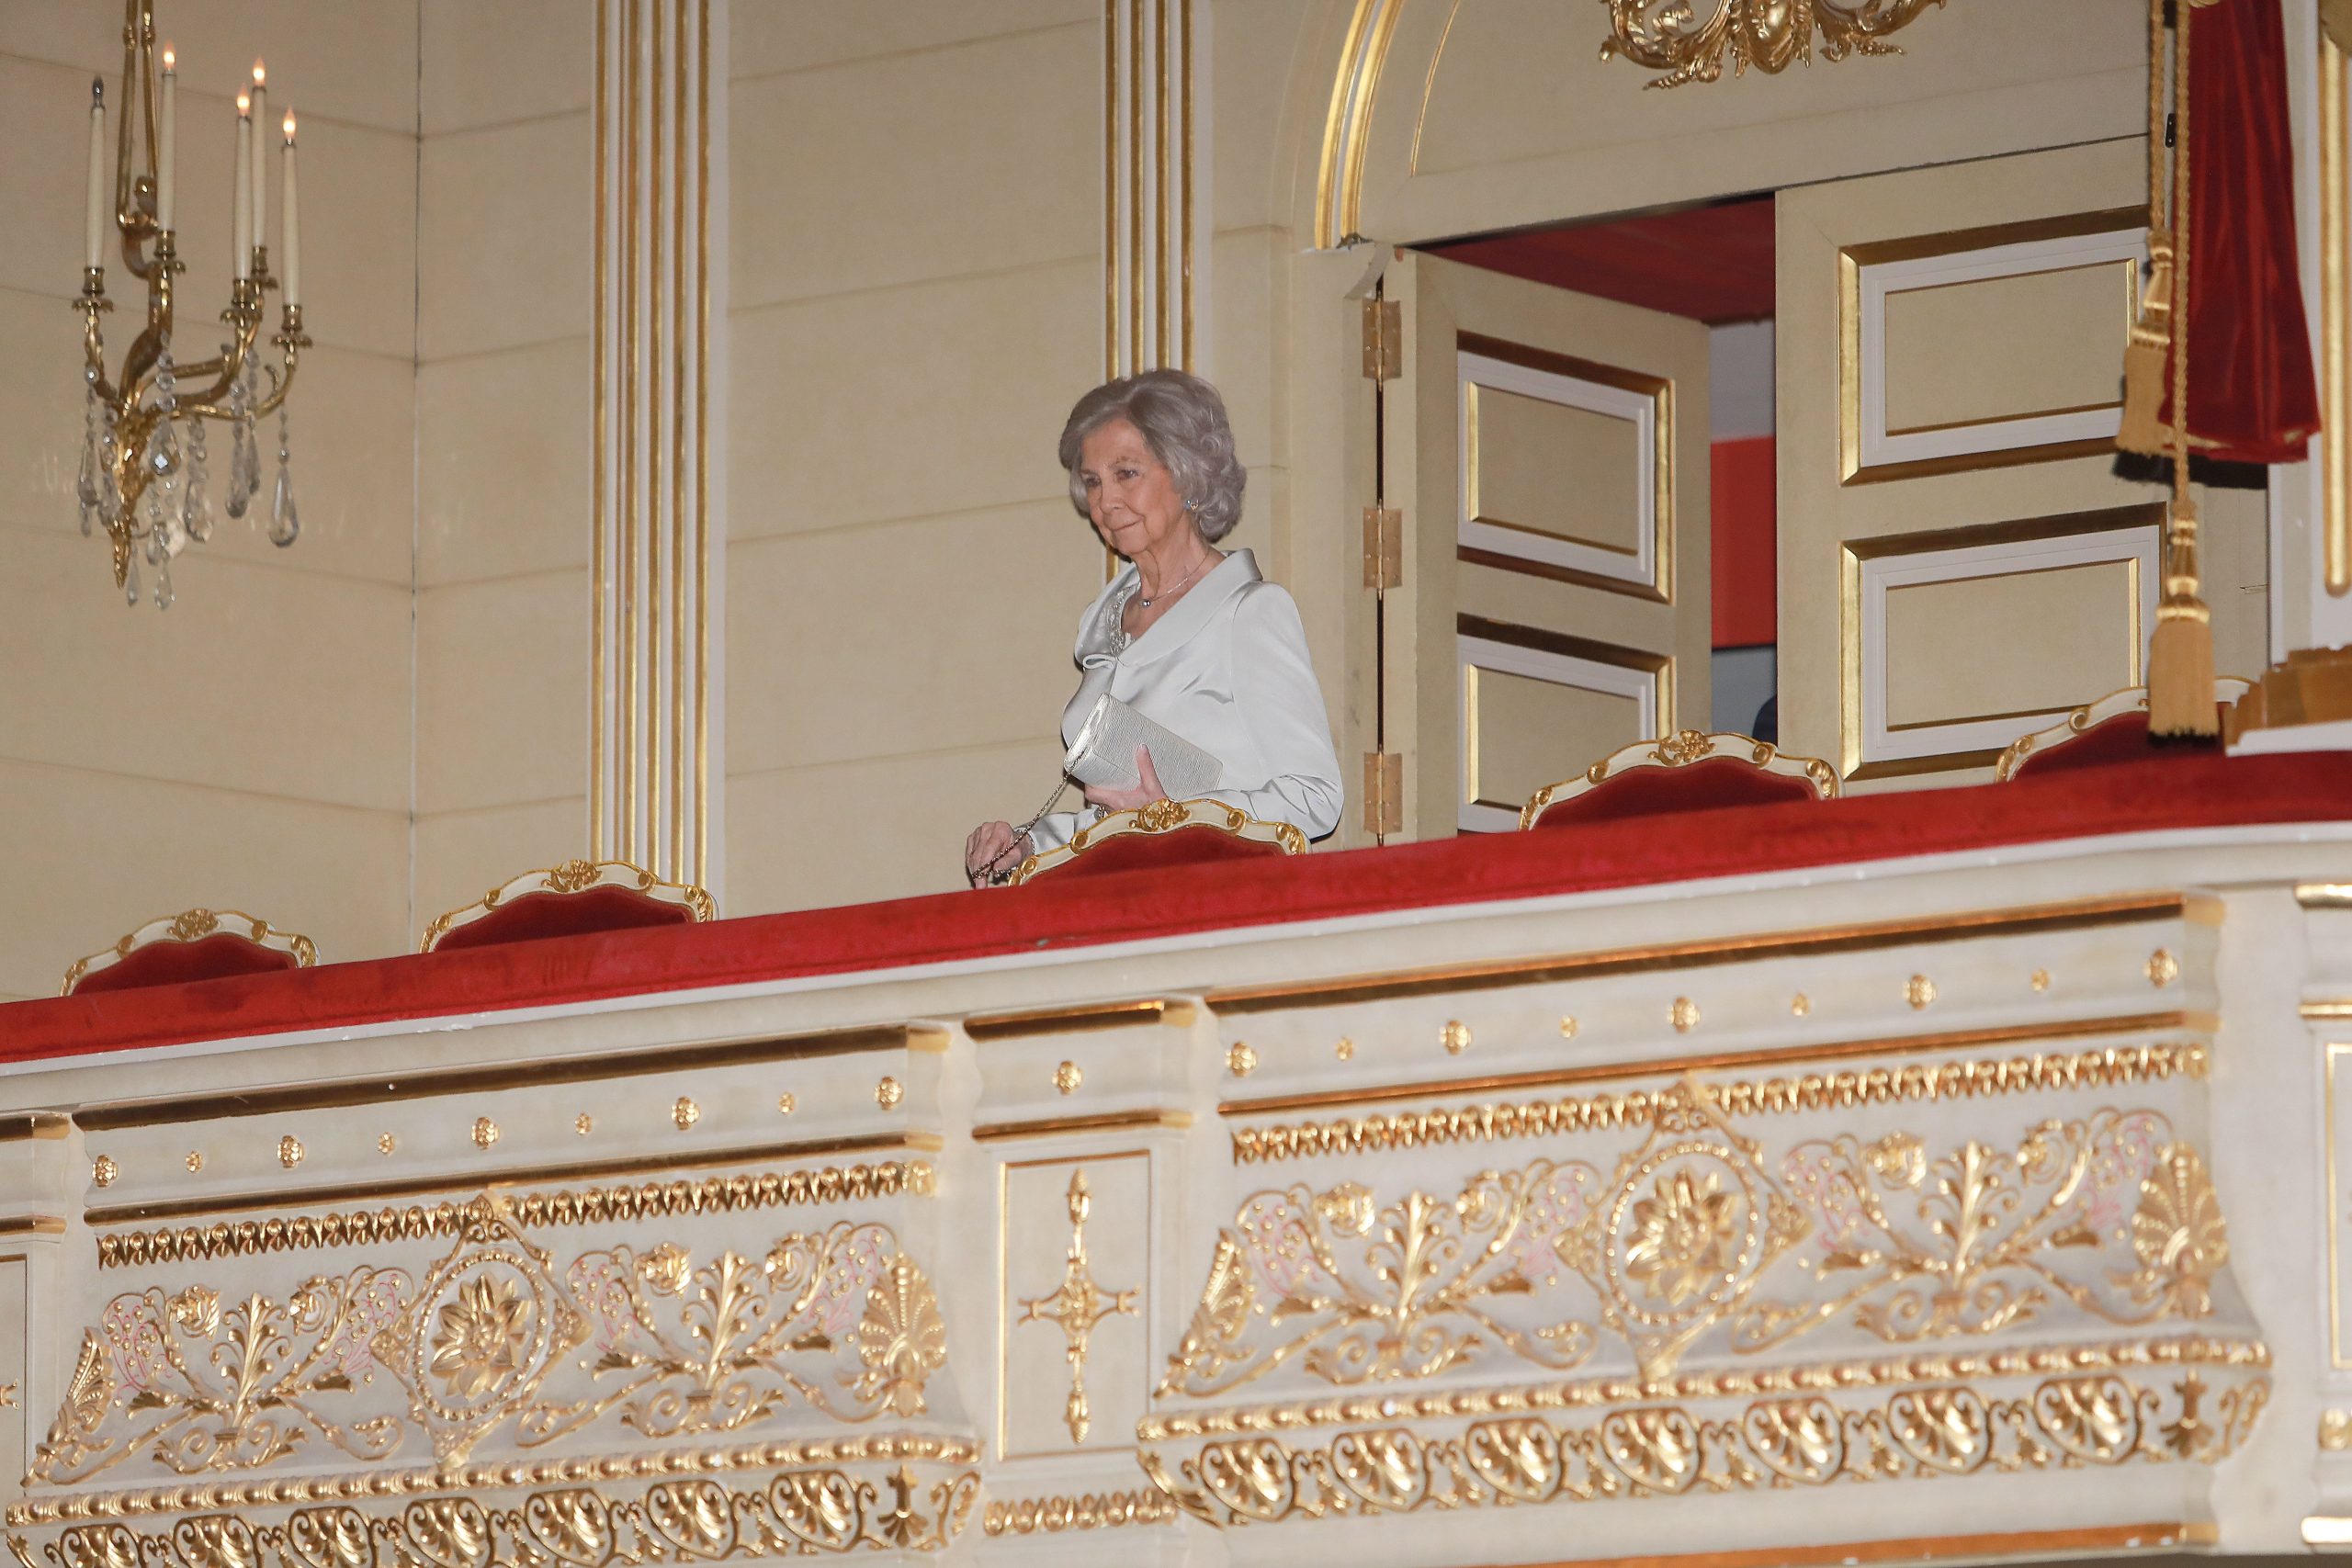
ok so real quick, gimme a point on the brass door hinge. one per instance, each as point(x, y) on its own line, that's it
point(1384, 793)
point(1384, 340)
point(1384, 548)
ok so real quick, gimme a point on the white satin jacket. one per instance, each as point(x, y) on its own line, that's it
point(1225, 668)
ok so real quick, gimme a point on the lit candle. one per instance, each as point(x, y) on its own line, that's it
point(290, 224)
point(240, 226)
point(166, 180)
point(94, 224)
point(260, 165)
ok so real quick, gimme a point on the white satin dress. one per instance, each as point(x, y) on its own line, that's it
point(1225, 668)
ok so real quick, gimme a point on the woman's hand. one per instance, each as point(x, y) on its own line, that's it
point(1142, 794)
point(992, 849)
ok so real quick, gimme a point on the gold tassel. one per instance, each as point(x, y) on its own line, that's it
point(2145, 357)
point(2180, 655)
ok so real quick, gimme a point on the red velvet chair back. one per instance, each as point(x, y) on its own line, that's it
point(1163, 834)
point(2101, 734)
point(575, 898)
point(196, 944)
point(1686, 772)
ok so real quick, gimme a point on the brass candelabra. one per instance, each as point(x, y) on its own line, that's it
point(145, 466)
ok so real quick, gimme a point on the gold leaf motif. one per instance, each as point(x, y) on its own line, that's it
point(2178, 1236)
point(1943, 1428)
point(902, 1339)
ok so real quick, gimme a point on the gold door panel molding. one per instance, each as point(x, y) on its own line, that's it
point(1985, 347)
point(1567, 466)
point(1538, 705)
point(1959, 641)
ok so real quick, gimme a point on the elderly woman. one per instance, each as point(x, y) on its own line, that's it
point(1188, 636)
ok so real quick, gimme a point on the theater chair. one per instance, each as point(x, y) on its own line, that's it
point(1684, 772)
point(2112, 729)
point(1164, 833)
point(575, 897)
point(195, 944)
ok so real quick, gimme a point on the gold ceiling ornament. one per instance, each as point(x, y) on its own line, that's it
point(686, 1113)
point(143, 463)
point(1667, 35)
point(1076, 1305)
point(888, 1093)
point(1664, 1450)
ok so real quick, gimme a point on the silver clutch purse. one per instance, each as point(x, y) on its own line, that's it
point(1103, 755)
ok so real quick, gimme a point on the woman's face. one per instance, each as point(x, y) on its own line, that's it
point(1130, 494)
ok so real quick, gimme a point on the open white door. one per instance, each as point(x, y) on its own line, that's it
point(1544, 455)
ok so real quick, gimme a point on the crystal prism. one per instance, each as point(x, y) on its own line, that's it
point(284, 521)
point(196, 512)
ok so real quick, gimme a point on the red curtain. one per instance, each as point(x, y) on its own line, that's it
point(2251, 395)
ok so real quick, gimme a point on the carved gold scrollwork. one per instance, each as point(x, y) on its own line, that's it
point(672, 1522)
point(205, 1388)
point(840, 1321)
point(1984, 1238)
point(1663, 1450)
point(1366, 1293)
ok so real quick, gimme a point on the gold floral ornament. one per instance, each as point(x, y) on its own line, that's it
point(198, 1388)
point(481, 1332)
point(1983, 1239)
point(480, 1335)
point(1686, 1236)
point(1686, 1228)
point(1354, 1292)
point(1667, 35)
point(902, 1339)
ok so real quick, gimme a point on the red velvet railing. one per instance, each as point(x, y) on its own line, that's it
point(2184, 790)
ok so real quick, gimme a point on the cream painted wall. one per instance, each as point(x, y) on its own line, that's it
point(504, 400)
point(916, 302)
point(249, 748)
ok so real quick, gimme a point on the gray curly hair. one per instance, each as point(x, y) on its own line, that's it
point(1182, 420)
